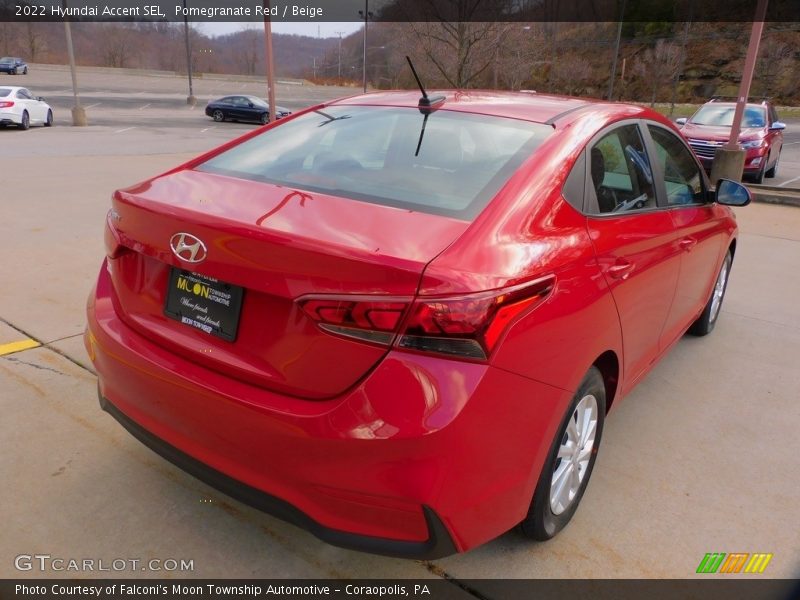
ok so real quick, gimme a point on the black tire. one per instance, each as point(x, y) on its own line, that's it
point(708, 318)
point(542, 523)
point(758, 178)
point(264, 118)
point(26, 121)
point(774, 170)
point(16, 72)
point(25, 72)
point(49, 121)
point(218, 116)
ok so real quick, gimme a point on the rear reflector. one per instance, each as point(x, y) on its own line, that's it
point(467, 326)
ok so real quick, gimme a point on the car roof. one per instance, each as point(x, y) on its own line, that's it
point(528, 106)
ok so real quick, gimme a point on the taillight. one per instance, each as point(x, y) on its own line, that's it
point(367, 319)
point(6, 104)
point(467, 326)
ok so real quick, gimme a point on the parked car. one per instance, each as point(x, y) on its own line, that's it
point(400, 324)
point(13, 66)
point(21, 108)
point(242, 108)
point(761, 135)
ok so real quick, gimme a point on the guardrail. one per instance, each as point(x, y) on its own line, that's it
point(157, 73)
point(775, 195)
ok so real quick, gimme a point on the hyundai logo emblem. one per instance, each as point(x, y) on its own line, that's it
point(188, 248)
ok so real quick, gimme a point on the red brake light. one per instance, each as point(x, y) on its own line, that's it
point(469, 326)
point(466, 326)
point(367, 319)
point(6, 104)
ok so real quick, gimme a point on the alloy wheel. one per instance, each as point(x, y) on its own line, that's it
point(574, 454)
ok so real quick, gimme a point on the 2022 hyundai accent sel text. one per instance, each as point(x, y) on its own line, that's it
point(400, 324)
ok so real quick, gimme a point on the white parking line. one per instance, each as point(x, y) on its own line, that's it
point(145, 106)
point(790, 143)
point(789, 181)
point(124, 130)
point(93, 105)
point(206, 129)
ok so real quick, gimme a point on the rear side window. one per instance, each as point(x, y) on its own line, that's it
point(4, 92)
point(449, 163)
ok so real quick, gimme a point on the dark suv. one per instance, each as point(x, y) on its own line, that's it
point(761, 135)
point(13, 66)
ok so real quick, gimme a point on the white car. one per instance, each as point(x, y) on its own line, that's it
point(21, 108)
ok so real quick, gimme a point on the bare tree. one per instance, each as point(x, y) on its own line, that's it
point(34, 41)
point(250, 50)
point(117, 44)
point(569, 73)
point(460, 51)
point(658, 66)
point(775, 56)
point(9, 34)
point(521, 52)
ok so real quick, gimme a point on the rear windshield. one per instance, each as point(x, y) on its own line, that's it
point(450, 163)
point(4, 92)
point(722, 116)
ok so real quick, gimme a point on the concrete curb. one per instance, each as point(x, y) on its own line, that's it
point(775, 195)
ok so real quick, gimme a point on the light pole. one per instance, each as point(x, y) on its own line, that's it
point(269, 63)
point(365, 14)
point(340, 56)
point(78, 113)
point(190, 100)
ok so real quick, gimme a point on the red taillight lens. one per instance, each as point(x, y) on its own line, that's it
point(469, 326)
point(366, 319)
point(6, 104)
point(465, 326)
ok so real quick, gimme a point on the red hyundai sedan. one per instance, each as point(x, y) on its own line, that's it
point(401, 324)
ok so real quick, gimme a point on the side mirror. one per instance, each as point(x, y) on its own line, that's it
point(681, 121)
point(732, 193)
point(250, 104)
point(40, 99)
point(777, 126)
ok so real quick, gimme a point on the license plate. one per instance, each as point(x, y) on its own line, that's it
point(205, 303)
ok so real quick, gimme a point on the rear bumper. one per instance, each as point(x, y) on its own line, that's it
point(424, 457)
point(438, 544)
point(9, 118)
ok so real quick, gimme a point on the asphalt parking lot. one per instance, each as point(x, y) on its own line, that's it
point(700, 458)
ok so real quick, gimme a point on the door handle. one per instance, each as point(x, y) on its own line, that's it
point(621, 269)
point(687, 243)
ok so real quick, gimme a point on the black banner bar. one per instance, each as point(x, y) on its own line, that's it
point(314, 11)
point(713, 588)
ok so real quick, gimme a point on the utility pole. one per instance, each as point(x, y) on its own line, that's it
point(616, 53)
point(190, 100)
point(78, 113)
point(365, 14)
point(269, 62)
point(340, 56)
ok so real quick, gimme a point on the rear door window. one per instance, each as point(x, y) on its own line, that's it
point(682, 176)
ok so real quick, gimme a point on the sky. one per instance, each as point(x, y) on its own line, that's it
point(322, 29)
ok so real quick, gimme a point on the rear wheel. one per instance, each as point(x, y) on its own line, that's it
point(25, 72)
point(49, 121)
point(218, 116)
point(774, 170)
point(708, 318)
point(26, 121)
point(569, 465)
